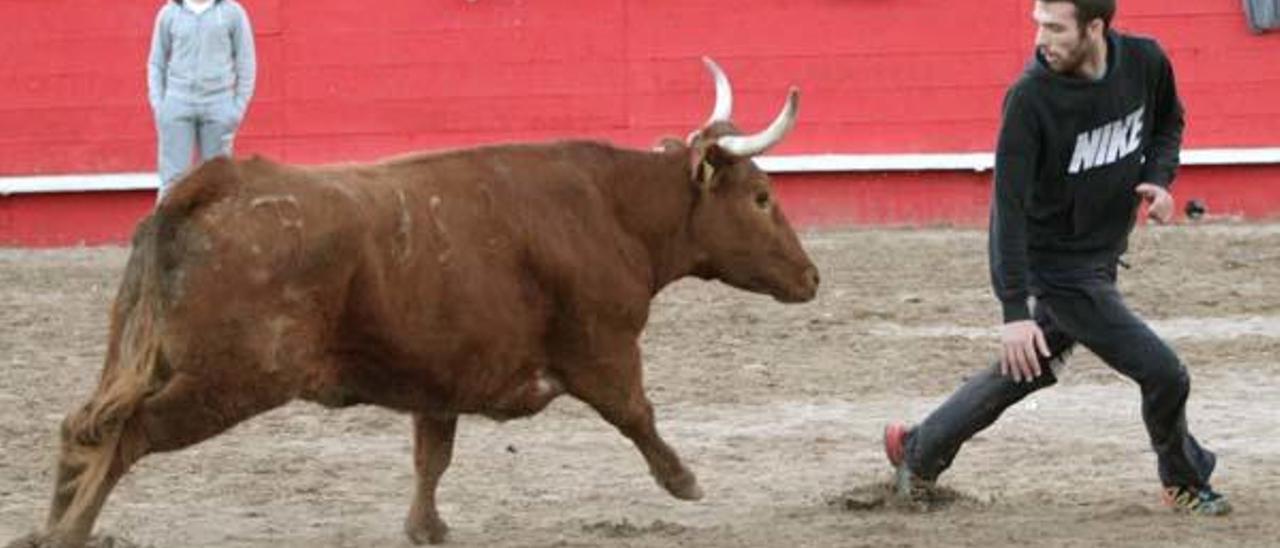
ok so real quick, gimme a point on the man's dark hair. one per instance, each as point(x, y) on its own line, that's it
point(1088, 10)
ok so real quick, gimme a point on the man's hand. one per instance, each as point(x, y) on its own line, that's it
point(1160, 202)
point(1020, 341)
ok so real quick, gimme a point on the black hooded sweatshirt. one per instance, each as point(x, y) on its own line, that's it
point(1069, 155)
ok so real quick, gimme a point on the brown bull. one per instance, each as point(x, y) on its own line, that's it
point(486, 280)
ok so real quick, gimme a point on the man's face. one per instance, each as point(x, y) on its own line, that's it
point(1059, 39)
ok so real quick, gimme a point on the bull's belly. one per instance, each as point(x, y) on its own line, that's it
point(494, 392)
point(527, 397)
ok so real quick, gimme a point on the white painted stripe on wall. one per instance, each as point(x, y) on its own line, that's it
point(799, 163)
point(88, 182)
point(979, 161)
point(826, 163)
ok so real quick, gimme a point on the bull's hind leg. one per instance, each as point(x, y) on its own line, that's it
point(98, 450)
point(93, 458)
point(612, 386)
point(432, 451)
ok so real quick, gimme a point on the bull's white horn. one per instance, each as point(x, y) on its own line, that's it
point(751, 145)
point(724, 94)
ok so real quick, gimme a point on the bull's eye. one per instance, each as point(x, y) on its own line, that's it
point(762, 199)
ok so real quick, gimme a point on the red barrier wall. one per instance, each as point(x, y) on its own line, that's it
point(343, 80)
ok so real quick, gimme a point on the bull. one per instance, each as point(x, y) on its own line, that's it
point(484, 280)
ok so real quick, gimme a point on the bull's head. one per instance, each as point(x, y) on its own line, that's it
point(737, 223)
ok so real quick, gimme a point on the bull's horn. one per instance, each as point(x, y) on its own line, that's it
point(751, 145)
point(724, 94)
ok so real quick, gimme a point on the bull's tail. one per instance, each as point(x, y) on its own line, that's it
point(97, 443)
point(136, 365)
point(104, 437)
point(135, 361)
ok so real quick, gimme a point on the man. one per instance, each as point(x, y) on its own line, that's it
point(1092, 127)
point(200, 77)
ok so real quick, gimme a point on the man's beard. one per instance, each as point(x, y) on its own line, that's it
point(1071, 61)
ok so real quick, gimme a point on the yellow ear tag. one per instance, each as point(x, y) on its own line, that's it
point(708, 171)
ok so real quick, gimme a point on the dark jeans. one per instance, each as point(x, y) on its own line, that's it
point(1084, 307)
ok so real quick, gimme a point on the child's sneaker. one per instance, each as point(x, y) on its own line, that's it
point(1201, 502)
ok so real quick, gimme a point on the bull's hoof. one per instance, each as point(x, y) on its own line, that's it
point(30, 541)
point(35, 540)
point(427, 533)
point(40, 540)
point(684, 487)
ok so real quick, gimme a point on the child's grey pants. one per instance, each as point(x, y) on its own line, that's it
point(184, 127)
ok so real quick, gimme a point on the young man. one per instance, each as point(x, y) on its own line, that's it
point(200, 77)
point(1092, 127)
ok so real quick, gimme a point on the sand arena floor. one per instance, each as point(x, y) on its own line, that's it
point(777, 408)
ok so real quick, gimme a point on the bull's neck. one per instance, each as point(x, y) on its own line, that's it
point(652, 194)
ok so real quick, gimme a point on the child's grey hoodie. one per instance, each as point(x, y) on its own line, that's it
point(202, 57)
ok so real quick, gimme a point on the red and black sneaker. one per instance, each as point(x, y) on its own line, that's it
point(905, 482)
point(895, 443)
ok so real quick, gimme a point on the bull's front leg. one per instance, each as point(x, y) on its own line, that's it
point(611, 384)
point(432, 451)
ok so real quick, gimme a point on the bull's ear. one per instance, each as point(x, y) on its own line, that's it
point(700, 172)
point(705, 160)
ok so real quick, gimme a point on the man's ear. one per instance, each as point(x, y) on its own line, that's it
point(1097, 27)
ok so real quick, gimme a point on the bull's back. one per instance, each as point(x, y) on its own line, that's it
point(370, 283)
point(436, 277)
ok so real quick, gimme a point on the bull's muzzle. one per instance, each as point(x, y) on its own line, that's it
point(804, 291)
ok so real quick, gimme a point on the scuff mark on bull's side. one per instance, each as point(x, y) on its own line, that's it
point(289, 214)
point(502, 170)
point(293, 294)
point(486, 192)
point(494, 244)
point(259, 276)
point(277, 329)
point(441, 233)
point(403, 248)
point(286, 208)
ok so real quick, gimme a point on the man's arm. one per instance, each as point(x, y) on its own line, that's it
point(158, 60)
point(1016, 151)
point(245, 59)
point(1161, 155)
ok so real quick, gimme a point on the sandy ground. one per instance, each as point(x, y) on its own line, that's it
point(777, 408)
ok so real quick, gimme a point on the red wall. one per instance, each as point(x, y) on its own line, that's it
point(344, 80)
